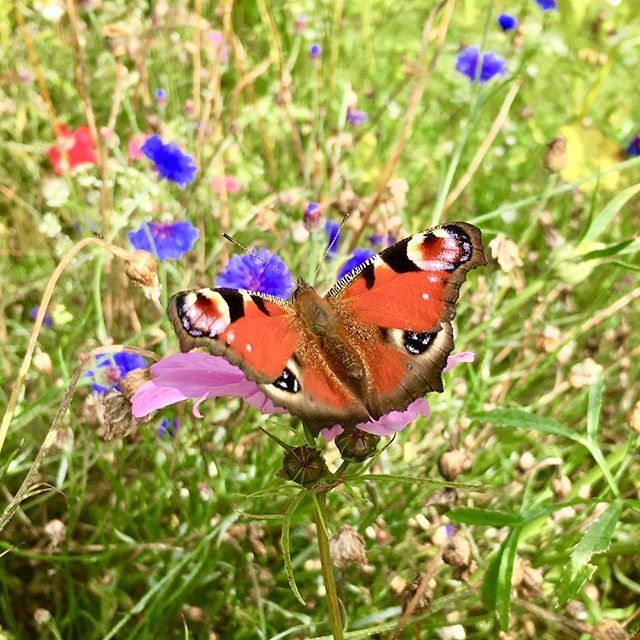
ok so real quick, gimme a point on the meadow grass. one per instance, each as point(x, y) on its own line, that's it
point(151, 536)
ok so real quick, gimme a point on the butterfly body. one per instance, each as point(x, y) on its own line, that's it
point(378, 340)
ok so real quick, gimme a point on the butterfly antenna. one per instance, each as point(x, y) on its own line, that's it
point(331, 244)
point(253, 253)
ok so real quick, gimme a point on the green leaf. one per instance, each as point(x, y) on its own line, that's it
point(604, 218)
point(385, 477)
point(596, 540)
point(611, 250)
point(468, 515)
point(594, 406)
point(285, 544)
point(496, 586)
point(517, 418)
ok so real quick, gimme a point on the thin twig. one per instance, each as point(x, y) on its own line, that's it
point(52, 434)
point(118, 92)
point(197, 42)
point(421, 80)
point(484, 147)
point(33, 56)
point(44, 303)
point(247, 79)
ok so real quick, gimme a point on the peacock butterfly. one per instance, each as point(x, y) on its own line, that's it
point(374, 343)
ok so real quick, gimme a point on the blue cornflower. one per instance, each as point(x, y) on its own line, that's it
point(314, 51)
point(507, 22)
point(379, 239)
point(332, 229)
point(491, 65)
point(356, 117)
point(111, 368)
point(547, 5)
point(168, 428)
point(633, 148)
point(260, 271)
point(165, 240)
point(160, 94)
point(169, 161)
point(47, 322)
point(357, 258)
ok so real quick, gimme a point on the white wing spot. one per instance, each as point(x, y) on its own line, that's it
point(425, 296)
point(433, 278)
point(230, 337)
point(248, 348)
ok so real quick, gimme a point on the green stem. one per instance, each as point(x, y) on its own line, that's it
point(327, 568)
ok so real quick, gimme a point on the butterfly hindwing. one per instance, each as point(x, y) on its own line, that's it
point(253, 331)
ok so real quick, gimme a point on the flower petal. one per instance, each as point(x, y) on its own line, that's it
point(395, 421)
point(333, 432)
point(463, 356)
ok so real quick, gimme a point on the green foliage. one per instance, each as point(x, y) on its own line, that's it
point(153, 537)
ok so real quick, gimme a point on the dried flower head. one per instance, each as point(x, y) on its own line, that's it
point(118, 421)
point(556, 158)
point(452, 464)
point(425, 593)
point(304, 465)
point(347, 548)
point(141, 269)
point(506, 252)
point(584, 373)
point(609, 630)
point(457, 554)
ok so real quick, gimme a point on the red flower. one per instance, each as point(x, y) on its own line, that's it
point(71, 149)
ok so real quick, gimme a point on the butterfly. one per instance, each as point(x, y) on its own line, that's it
point(377, 341)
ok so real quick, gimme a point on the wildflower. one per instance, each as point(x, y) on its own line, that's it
point(133, 148)
point(260, 271)
point(556, 157)
point(165, 240)
point(357, 258)
point(169, 161)
point(47, 322)
point(490, 66)
point(347, 548)
point(356, 117)
point(111, 368)
point(506, 22)
point(314, 51)
point(301, 23)
point(218, 46)
point(71, 149)
point(547, 5)
point(332, 229)
point(201, 376)
point(142, 270)
point(377, 239)
point(312, 215)
point(168, 428)
point(231, 184)
point(633, 148)
point(161, 98)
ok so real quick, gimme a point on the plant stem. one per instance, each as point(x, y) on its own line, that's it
point(327, 568)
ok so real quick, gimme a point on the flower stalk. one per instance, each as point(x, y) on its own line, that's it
point(335, 618)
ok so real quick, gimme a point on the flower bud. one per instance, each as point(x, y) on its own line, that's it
point(555, 159)
point(424, 601)
point(561, 485)
point(42, 362)
point(347, 548)
point(457, 552)
point(118, 420)
point(451, 464)
point(357, 445)
point(141, 268)
point(133, 381)
point(304, 465)
point(609, 630)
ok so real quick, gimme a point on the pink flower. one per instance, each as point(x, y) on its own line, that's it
point(133, 147)
point(231, 184)
point(201, 376)
point(198, 376)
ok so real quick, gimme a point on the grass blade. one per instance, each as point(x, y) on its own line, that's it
point(285, 544)
point(604, 218)
point(517, 418)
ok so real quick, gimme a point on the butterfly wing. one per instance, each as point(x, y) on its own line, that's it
point(408, 292)
point(254, 331)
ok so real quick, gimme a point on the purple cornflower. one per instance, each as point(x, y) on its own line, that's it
point(633, 148)
point(312, 215)
point(332, 229)
point(357, 258)
point(165, 240)
point(547, 5)
point(314, 51)
point(47, 321)
point(260, 271)
point(506, 22)
point(168, 428)
point(111, 368)
point(491, 65)
point(356, 117)
point(169, 161)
